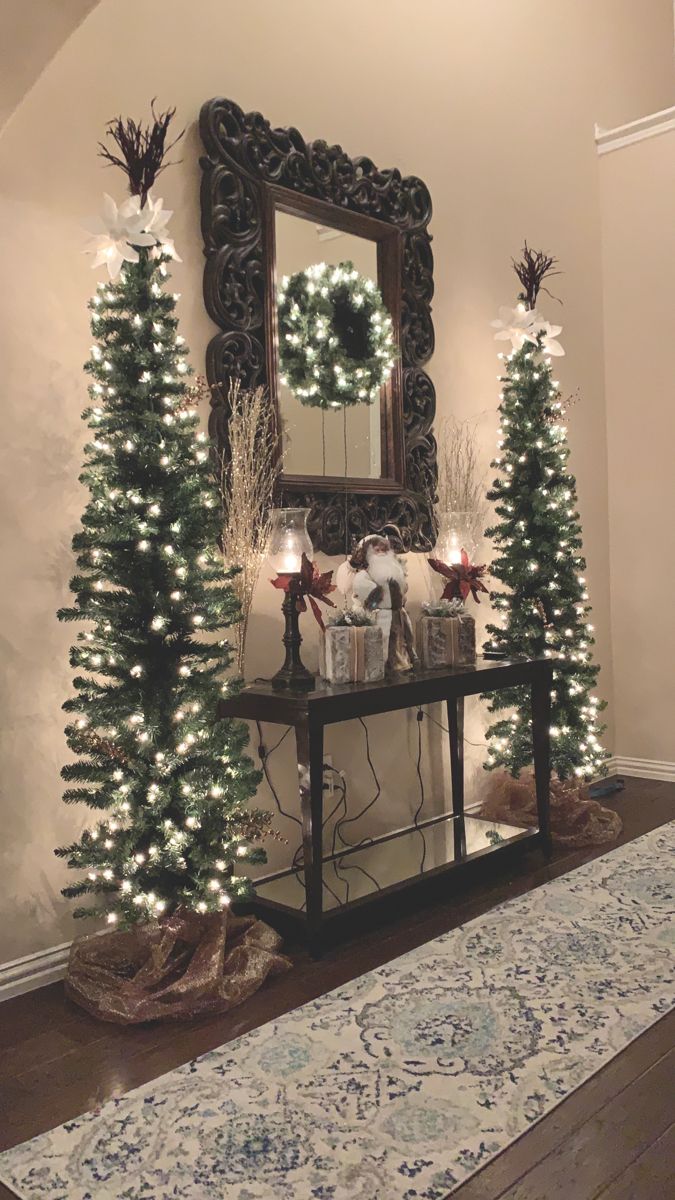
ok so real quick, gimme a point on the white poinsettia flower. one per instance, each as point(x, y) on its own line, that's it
point(515, 325)
point(548, 334)
point(114, 235)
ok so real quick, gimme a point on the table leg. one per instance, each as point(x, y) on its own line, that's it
point(541, 719)
point(456, 728)
point(309, 741)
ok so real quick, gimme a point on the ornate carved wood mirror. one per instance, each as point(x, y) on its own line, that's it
point(274, 205)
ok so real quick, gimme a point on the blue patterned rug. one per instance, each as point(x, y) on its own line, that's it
point(406, 1081)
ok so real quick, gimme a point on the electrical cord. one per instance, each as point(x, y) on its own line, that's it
point(339, 864)
point(341, 822)
point(420, 806)
point(264, 755)
point(296, 863)
point(478, 745)
point(378, 792)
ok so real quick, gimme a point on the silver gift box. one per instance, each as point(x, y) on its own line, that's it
point(352, 654)
point(446, 641)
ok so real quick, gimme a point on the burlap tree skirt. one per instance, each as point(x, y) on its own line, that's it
point(181, 967)
point(576, 820)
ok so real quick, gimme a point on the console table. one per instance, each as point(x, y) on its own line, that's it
point(310, 712)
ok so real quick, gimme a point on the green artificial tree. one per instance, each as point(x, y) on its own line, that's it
point(543, 609)
point(169, 784)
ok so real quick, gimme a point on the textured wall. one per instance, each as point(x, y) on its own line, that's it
point(492, 104)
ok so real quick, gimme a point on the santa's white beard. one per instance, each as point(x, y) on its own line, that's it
point(383, 568)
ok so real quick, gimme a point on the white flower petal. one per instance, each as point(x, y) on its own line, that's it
point(169, 248)
point(114, 263)
point(110, 211)
point(142, 239)
point(130, 208)
point(127, 252)
point(102, 256)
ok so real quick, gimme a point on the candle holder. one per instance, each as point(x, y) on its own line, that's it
point(456, 532)
point(289, 540)
point(294, 675)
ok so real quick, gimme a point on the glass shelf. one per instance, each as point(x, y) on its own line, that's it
point(402, 858)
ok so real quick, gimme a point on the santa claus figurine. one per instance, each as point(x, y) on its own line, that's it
point(373, 580)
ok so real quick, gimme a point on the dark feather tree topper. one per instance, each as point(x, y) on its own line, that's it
point(532, 269)
point(142, 149)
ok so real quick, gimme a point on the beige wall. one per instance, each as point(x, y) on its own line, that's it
point(492, 104)
point(638, 248)
point(31, 34)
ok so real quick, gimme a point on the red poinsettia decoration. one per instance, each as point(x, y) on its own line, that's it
point(463, 578)
point(310, 583)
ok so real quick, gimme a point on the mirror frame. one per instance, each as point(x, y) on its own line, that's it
point(250, 171)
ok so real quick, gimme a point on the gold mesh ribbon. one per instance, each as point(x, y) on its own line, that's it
point(576, 820)
point(182, 967)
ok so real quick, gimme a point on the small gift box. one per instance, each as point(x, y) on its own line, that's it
point(352, 653)
point(446, 636)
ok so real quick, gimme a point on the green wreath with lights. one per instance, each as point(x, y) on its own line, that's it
point(336, 342)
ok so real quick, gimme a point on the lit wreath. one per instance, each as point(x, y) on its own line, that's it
point(336, 345)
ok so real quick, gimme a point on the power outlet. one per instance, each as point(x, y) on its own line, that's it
point(328, 774)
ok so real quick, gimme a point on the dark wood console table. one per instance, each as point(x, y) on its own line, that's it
point(310, 712)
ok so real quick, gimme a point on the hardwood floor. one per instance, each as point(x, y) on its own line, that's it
point(612, 1139)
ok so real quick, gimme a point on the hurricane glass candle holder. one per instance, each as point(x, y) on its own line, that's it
point(289, 540)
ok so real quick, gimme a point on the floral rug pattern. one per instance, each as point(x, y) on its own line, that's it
point(404, 1082)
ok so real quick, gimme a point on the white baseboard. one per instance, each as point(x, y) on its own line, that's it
point(642, 768)
point(34, 971)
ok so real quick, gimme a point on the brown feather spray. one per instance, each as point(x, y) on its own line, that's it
point(532, 269)
point(142, 149)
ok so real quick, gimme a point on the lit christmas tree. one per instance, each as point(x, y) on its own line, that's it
point(170, 784)
point(545, 609)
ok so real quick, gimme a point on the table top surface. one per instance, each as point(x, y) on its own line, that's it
point(400, 690)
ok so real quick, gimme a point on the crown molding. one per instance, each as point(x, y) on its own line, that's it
point(607, 140)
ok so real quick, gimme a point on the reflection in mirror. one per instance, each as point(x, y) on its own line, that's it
point(334, 442)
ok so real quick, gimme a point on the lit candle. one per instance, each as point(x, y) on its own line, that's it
point(289, 540)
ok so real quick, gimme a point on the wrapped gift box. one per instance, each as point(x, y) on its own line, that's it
point(447, 641)
point(352, 654)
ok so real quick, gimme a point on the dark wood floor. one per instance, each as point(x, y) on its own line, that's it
point(612, 1139)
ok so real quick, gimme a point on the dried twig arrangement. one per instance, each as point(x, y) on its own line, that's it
point(143, 149)
point(461, 483)
point(532, 269)
point(247, 474)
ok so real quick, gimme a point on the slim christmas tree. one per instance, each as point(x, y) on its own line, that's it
point(545, 609)
point(169, 783)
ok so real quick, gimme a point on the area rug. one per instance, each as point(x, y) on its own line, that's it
point(409, 1079)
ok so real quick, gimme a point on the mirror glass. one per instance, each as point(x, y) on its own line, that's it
point(333, 442)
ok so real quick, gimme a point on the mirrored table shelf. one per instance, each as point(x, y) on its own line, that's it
point(384, 865)
point(328, 886)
